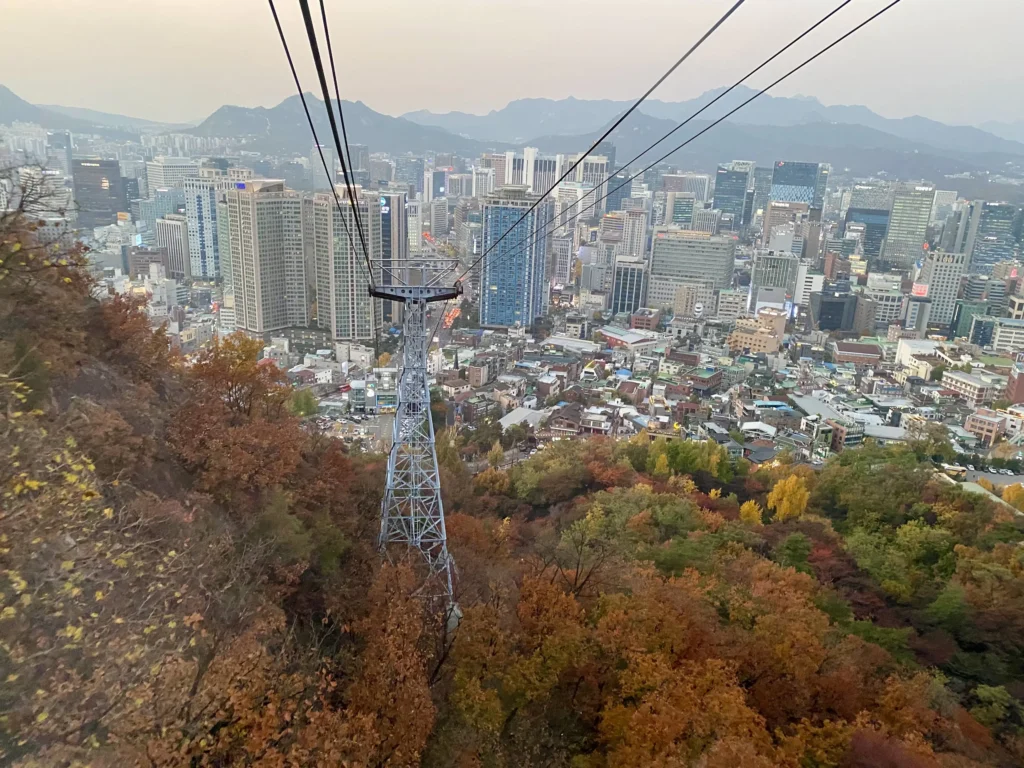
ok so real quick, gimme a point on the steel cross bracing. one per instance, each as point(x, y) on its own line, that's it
point(412, 515)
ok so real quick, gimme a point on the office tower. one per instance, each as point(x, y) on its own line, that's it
point(942, 208)
point(265, 240)
point(961, 229)
point(139, 261)
point(821, 186)
point(884, 289)
point(171, 234)
point(875, 224)
point(438, 182)
point(360, 154)
point(513, 284)
point(908, 225)
point(394, 248)
point(872, 196)
point(606, 149)
point(679, 207)
point(574, 202)
point(414, 211)
point(761, 181)
point(781, 213)
point(706, 220)
point(58, 151)
point(381, 172)
point(496, 162)
point(774, 269)
point(483, 182)
point(682, 257)
point(319, 178)
point(439, 218)
point(730, 194)
point(984, 288)
point(203, 237)
point(460, 185)
point(628, 285)
point(166, 172)
point(562, 259)
point(940, 281)
point(807, 282)
point(99, 192)
point(634, 233)
point(410, 170)
point(797, 183)
point(697, 184)
point(344, 306)
point(546, 170)
point(619, 189)
point(994, 239)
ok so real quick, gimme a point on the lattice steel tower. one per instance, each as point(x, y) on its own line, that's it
point(412, 513)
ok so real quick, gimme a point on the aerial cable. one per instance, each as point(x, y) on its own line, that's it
point(334, 77)
point(693, 138)
point(318, 63)
point(309, 119)
point(607, 132)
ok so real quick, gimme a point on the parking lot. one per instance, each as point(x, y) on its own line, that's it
point(996, 478)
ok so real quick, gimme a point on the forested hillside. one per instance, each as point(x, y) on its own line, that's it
point(188, 577)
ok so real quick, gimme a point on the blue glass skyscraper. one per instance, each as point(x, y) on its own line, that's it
point(513, 280)
point(730, 193)
point(796, 183)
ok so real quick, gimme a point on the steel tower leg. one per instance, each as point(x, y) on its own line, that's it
point(412, 513)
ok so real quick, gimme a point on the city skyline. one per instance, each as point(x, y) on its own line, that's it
point(61, 76)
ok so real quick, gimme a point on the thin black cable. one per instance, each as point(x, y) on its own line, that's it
point(309, 119)
point(710, 104)
point(693, 138)
point(318, 63)
point(334, 77)
point(607, 133)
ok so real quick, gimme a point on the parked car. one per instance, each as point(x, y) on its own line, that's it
point(970, 467)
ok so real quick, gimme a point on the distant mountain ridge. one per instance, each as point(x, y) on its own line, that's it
point(13, 109)
point(113, 120)
point(284, 127)
point(525, 117)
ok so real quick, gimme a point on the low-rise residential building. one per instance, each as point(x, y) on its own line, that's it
point(986, 425)
point(858, 354)
point(972, 389)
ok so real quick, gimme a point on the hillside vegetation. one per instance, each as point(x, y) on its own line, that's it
point(188, 576)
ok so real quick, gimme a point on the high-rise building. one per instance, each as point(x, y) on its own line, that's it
point(360, 154)
point(876, 224)
point(706, 220)
point(908, 225)
point(321, 179)
point(988, 289)
point(344, 306)
point(619, 189)
point(394, 248)
point(513, 285)
point(166, 172)
point(574, 201)
point(99, 192)
point(201, 196)
point(171, 234)
point(940, 281)
point(697, 184)
point(628, 285)
point(994, 239)
point(410, 170)
point(942, 208)
point(265, 240)
point(730, 194)
point(761, 181)
point(634, 233)
point(796, 183)
point(679, 207)
point(439, 218)
point(59, 147)
point(807, 282)
point(562, 259)
point(682, 257)
point(414, 211)
point(483, 182)
point(871, 196)
point(774, 269)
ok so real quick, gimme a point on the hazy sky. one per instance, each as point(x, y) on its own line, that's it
point(959, 61)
